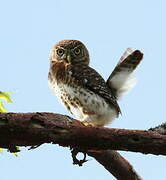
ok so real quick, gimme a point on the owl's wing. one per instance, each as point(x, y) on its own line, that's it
point(88, 78)
point(120, 81)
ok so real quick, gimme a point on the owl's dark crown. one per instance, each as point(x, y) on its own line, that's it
point(69, 43)
point(70, 51)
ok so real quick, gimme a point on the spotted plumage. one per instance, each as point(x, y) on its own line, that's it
point(79, 87)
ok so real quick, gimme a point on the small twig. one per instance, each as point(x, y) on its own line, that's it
point(161, 129)
point(74, 153)
point(34, 147)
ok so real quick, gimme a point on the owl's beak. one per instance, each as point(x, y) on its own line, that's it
point(69, 58)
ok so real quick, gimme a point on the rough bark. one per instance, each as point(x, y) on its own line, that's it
point(116, 164)
point(32, 129)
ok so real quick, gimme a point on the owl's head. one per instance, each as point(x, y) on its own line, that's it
point(70, 51)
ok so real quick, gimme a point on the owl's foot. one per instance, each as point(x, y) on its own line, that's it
point(87, 123)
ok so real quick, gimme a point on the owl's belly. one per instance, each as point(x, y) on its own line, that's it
point(84, 104)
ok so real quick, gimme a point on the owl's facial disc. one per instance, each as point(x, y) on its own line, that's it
point(70, 52)
point(70, 55)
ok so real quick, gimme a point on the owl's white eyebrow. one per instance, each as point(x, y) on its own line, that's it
point(60, 47)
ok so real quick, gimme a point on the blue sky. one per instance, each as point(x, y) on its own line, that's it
point(28, 31)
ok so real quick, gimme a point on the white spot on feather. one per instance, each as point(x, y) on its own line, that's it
point(85, 80)
point(70, 73)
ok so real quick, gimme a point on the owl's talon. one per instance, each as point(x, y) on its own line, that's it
point(86, 123)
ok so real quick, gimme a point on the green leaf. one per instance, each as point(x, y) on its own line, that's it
point(1, 150)
point(2, 108)
point(5, 96)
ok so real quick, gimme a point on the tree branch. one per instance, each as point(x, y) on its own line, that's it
point(29, 129)
point(32, 129)
point(116, 164)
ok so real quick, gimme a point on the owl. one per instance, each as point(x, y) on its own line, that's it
point(81, 89)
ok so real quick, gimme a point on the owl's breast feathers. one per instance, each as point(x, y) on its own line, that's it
point(86, 77)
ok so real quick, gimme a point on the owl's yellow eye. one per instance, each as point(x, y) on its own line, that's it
point(77, 51)
point(60, 52)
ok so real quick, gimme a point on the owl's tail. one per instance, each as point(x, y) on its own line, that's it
point(121, 79)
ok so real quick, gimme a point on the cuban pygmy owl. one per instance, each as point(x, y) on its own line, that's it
point(81, 89)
